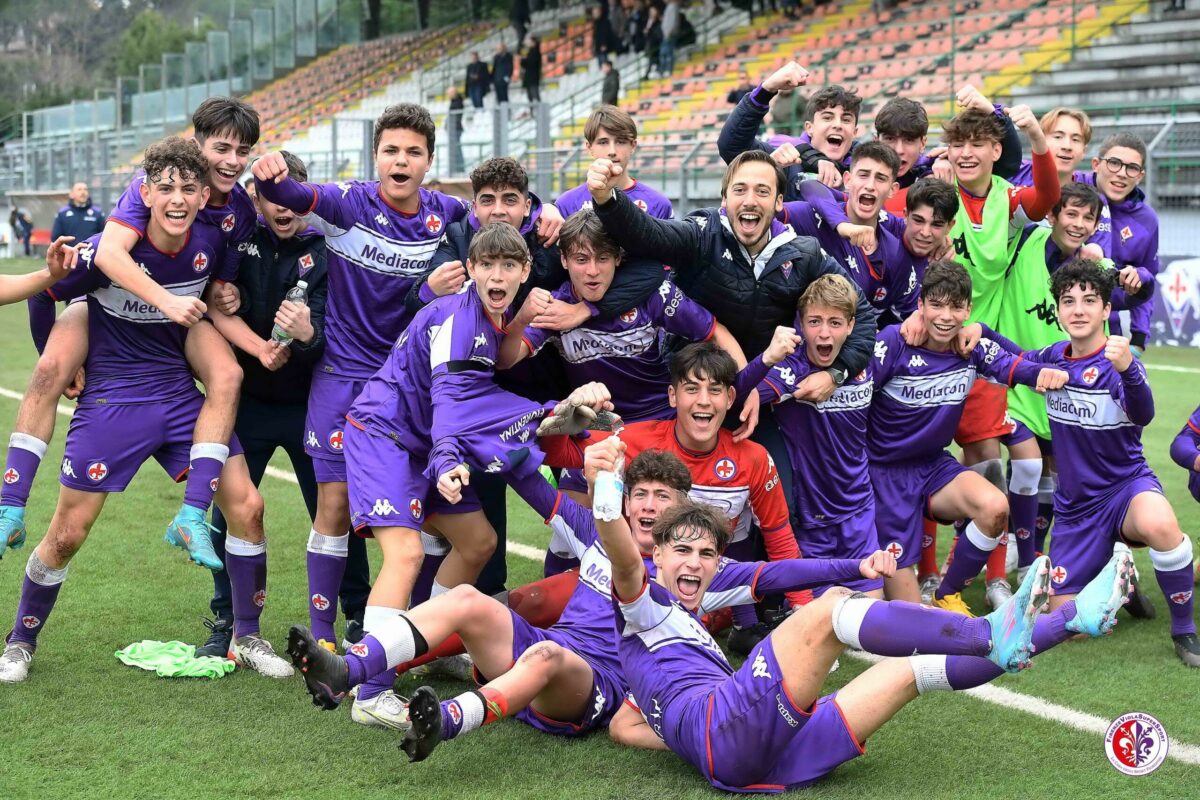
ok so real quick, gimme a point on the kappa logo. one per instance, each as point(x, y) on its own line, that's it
point(896, 549)
point(1058, 574)
point(455, 712)
point(598, 703)
point(415, 508)
point(701, 222)
point(249, 249)
point(320, 602)
point(335, 440)
point(880, 351)
point(1179, 598)
point(313, 441)
point(381, 219)
point(11, 476)
point(67, 469)
point(496, 464)
point(228, 223)
point(200, 262)
point(345, 187)
point(880, 295)
point(728, 256)
point(916, 361)
point(383, 508)
point(214, 483)
point(480, 340)
point(725, 469)
point(852, 263)
point(1090, 374)
point(759, 668)
point(260, 598)
point(629, 317)
point(787, 375)
point(30, 621)
point(433, 223)
point(361, 650)
point(97, 471)
point(1126, 234)
point(306, 263)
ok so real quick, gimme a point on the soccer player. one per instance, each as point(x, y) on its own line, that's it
point(225, 129)
point(141, 401)
point(380, 236)
point(693, 703)
point(1185, 451)
point(1106, 490)
point(827, 441)
point(611, 134)
point(60, 260)
point(828, 133)
point(918, 403)
point(1068, 134)
point(1116, 173)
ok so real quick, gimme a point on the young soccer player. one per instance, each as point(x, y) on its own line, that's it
point(827, 441)
point(693, 703)
point(141, 401)
point(1185, 451)
point(225, 130)
point(611, 133)
point(380, 236)
point(918, 403)
point(1106, 490)
point(1068, 134)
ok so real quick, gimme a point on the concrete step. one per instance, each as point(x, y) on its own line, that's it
point(1183, 48)
point(1134, 36)
point(1166, 24)
point(1130, 76)
point(1162, 90)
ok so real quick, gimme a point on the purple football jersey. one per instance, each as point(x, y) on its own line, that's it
point(376, 253)
point(1096, 423)
point(235, 219)
point(626, 353)
point(919, 393)
point(826, 442)
point(651, 201)
point(135, 353)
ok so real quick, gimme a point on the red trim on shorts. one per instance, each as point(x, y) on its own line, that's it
point(629, 702)
point(861, 745)
point(554, 510)
point(708, 735)
point(355, 422)
point(179, 478)
point(1190, 425)
point(50, 293)
point(572, 725)
point(125, 224)
point(527, 343)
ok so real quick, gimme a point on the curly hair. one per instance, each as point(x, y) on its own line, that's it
point(498, 173)
point(973, 125)
point(174, 154)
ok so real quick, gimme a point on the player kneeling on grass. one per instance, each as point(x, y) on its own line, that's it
point(766, 726)
point(141, 401)
point(1106, 491)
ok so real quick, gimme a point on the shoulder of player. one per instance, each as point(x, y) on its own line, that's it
point(746, 451)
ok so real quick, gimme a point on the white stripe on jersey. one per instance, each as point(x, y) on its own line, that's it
point(736, 596)
point(375, 252)
point(1094, 409)
point(595, 571)
point(659, 626)
point(847, 397)
point(441, 339)
point(940, 389)
point(580, 344)
point(128, 307)
point(563, 541)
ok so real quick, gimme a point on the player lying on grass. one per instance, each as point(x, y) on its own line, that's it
point(141, 401)
point(60, 260)
point(1106, 491)
point(225, 130)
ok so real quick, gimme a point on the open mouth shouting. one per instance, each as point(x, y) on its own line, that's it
point(748, 223)
point(824, 353)
point(228, 175)
point(687, 588)
point(497, 298)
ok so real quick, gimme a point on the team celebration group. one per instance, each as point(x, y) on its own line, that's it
point(735, 419)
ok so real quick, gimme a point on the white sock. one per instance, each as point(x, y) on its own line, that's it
point(981, 540)
point(391, 629)
point(848, 617)
point(471, 704)
point(213, 450)
point(328, 545)
point(1177, 557)
point(39, 573)
point(23, 441)
point(930, 674)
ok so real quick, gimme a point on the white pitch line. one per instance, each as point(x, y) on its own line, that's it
point(996, 695)
point(1170, 368)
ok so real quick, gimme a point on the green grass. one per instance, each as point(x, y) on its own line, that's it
point(84, 725)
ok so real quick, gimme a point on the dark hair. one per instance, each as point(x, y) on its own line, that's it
point(877, 151)
point(973, 125)
point(835, 95)
point(174, 153)
point(1078, 194)
point(613, 120)
point(217, 115)
point(1130, 140)
point(1086, 274)
point(747, 157)
point(406, 116)
point(946, 281)
point(902, 117)
point(296, 168)
point(499, 173)
point(498, 240)
point(937, 194)
point(703, 360)
point(658, 466)
point(689, 515)
point(583, 230)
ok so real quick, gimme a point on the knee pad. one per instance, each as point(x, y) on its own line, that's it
point(1026, 475)
point(993, 470)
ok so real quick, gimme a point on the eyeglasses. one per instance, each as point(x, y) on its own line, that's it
point(1115, 165)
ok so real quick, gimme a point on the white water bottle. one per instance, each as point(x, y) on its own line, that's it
point(608, 495)
point(297, 294)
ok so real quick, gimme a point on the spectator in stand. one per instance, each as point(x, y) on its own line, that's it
point(670, 27)
point(519, 16)
point(788, 112)
point(610, 93)
point(531, 69)
point(743, 88)
point(654, 38)
point(78, 218)
point(618, 20)
point(502, 72)
point(22, 227)
point(454, 129)
point(479, 80)
point(604, 41)
point(635, 24)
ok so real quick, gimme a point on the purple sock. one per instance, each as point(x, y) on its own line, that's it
point(556, 564)
point(967, 672)
point(366, 659)
point(389, 626)
point(246, 565)
point(39, 592)
point(1022, 521)
point(968, 558)
point(25, 454)
point(1045, 511)
point(205, 463)
point(377, 685)
point(326, 566)
point(898, 628)
point(1177, 587)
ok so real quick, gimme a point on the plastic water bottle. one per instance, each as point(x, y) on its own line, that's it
point(608, 494)
point(297, 294)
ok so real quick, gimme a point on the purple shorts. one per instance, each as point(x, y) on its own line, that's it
point(329, 401)
point(608, 689)
point(572, 480)
point(1020, 433)
point(749, 736)
point(107, 444)
point(902, 494)
point(853, 537)
point(1082, 543)
point(387, 487)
